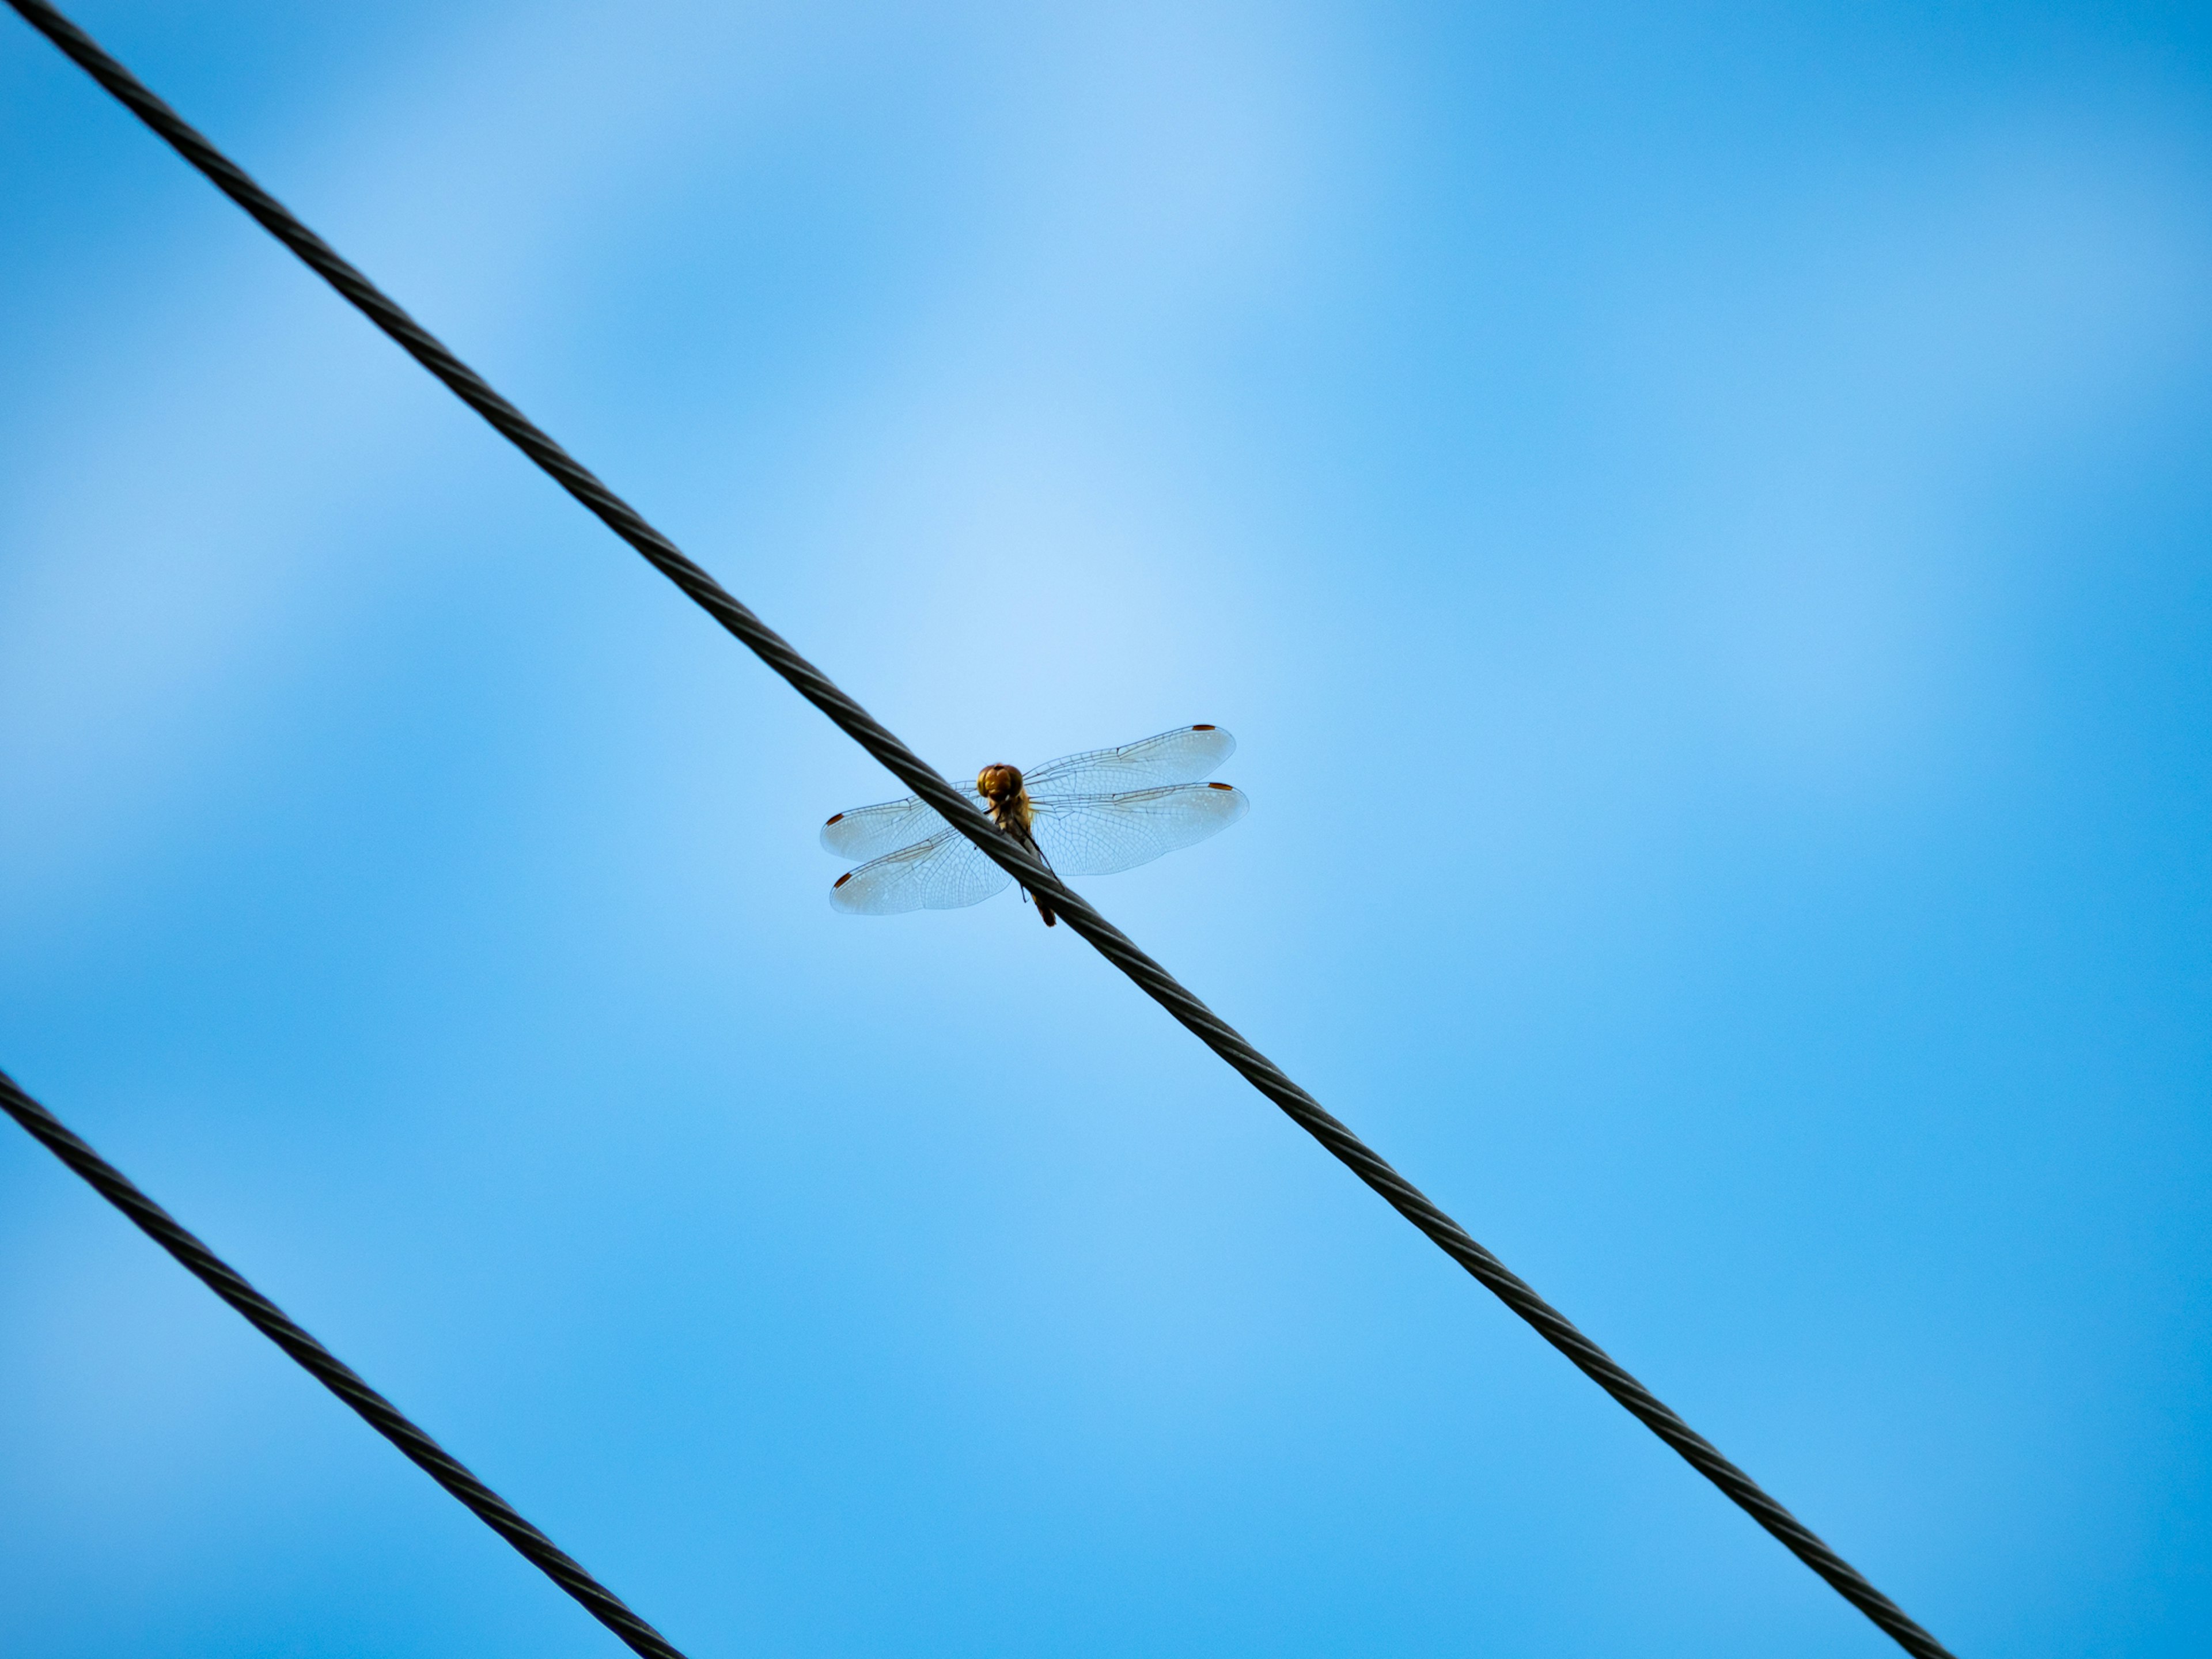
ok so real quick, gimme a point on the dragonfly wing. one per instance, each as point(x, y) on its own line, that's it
point(1183, 756)
point(868, 832)
point(1099, 835)
point(947, 871)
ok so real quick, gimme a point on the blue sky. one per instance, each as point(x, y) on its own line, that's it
point(1698, 519)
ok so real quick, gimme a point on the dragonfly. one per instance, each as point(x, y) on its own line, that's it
point(1091, 814)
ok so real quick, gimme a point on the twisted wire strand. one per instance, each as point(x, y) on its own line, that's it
point(380, 1413)
point(959, 810)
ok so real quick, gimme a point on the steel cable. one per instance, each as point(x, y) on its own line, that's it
point(959, 810)
point(380, 1413)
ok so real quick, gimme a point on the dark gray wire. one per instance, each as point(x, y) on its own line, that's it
point(380, 1413)
point(959, 810)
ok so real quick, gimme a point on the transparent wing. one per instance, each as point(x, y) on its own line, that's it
point(1098, 835)
point(947, 871)
point(868, 832)
point(1183, 756)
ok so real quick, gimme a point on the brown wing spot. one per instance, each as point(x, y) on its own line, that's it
point(842, 879)
point(833, 816)
point(1221, 786)
point(1204, 728)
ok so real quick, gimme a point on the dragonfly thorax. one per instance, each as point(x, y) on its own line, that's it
point(1001, 785)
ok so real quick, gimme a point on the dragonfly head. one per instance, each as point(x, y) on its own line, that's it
point(999, 784)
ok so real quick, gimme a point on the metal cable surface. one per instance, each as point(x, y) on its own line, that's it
point(380, 1413)
point(858, 724)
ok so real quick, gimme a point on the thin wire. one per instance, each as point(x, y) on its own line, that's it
point(957, 809)
point(380, 1413)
